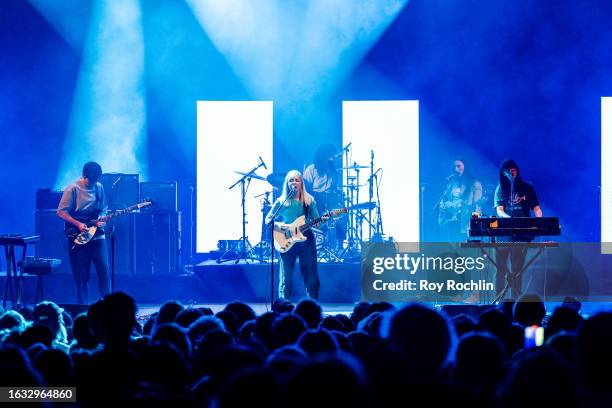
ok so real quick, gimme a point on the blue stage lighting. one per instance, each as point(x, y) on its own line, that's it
point(108, 118)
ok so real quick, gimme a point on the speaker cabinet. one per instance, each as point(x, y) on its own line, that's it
point(53, 243)
point(121, 189)
point(157, 242)
point(163, 194)
point(124, 244)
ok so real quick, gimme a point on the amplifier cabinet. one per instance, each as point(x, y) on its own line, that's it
point(157, 242)
point(53, 243)
point(163, 194)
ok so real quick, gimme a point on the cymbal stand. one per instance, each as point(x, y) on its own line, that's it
point(379, 224)
point(263, 248)
point(325, 253)
point(355, 221)
point(245, 246)
point(370, 193)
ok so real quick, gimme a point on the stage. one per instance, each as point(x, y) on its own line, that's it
point(207, 282)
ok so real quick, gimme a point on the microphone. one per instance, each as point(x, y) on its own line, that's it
point(508, 175)
point(261, 162)
point(345, 148)
point(292, 190)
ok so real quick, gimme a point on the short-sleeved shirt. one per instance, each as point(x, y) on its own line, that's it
point(317, 181)
point(524, 200)
point(84, 204)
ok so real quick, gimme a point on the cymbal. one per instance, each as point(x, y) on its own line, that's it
point(276, 179)
point(252, 175)
point(355, 167)
point(368, 205)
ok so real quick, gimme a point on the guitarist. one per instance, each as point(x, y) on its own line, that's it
point(84, 201)
point(295, 201)
point(461, 196)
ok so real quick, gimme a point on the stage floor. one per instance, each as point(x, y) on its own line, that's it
point(451, 309)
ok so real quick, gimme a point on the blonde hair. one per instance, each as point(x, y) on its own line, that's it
point(302, 194)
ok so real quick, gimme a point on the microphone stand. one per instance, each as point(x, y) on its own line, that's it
point(112, 233)
point(191, 226)
point(274, 214)
point(379, 223)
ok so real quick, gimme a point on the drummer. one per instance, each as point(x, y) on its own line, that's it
point(323, 181)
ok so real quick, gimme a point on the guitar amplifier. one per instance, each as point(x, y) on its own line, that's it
point(163, 194)
point(157, 243)
point(121, 189)
point(47, 199)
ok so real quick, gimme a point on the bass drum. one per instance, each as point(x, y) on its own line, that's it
point(319, 238)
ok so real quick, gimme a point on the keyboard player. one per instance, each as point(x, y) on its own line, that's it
point(514, 197)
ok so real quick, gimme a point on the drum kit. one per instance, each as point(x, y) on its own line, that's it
point(338, 240)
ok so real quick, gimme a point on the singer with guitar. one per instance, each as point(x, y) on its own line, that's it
point(461, 196)
point(83, 202)
point(293, 203)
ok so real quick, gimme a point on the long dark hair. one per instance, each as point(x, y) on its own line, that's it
point(467, 170)
point(504, 182)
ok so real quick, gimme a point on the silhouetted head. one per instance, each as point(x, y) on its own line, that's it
point(310, 311)
point(118, 318)
point(50, 315)
point(168, 311)
point(92, 171)
point(243, 312)
point(318, 341)
point(480, 361)
point(287, 329)
point(538, 377)
point(423, 335)
point(82, 333)
point(529, 310)
point(594, 351)
point(563, 319)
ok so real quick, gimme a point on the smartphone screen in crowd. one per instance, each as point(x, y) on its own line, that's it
point(534, 336)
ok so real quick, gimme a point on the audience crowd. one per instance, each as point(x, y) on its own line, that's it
point(297, 356)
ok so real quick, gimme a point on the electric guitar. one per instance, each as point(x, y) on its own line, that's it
point(83, 237)
point(285, 235)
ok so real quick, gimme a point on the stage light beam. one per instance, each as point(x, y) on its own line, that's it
point(108, 118)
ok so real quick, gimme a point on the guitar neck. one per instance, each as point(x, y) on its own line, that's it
point(320, 220)
point(117, 213)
